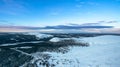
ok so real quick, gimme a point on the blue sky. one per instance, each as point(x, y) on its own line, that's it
point(39, 13)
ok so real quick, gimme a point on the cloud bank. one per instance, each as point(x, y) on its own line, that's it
point(69, 28)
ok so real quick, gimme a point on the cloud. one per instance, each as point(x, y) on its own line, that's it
point(14, 30)
point(91, 24)
point(72, 24)
point(108, 21)
point(57, 27)
point(103, 30)
point(83, 30)
point(71, 27)
point(3, 21)
point(68, 26)
point(74, 27)
point(64, 29)
point(80, 3)
point(6, 23)
point(93, 3)
point(22, 27)
point(99, 23)
point(12, 7)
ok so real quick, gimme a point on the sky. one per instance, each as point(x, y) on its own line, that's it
point(59, 13)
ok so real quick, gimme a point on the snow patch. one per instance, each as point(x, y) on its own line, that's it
point(39, 35)
point(27, 47)
point(55, 39)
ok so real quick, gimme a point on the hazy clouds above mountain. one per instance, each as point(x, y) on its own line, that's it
point(68, 28)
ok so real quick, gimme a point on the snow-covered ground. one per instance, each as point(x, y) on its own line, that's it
point(39, 35)
point(57, 39)
point(104, 51)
